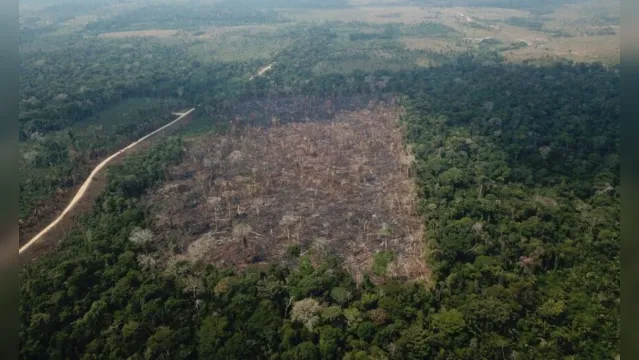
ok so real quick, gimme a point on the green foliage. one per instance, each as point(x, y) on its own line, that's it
point(389, 32)
point(601, 32)
point(211, 335)
point(304, 351)
point(518, 210)
point(413, 344)
point(307, 312)
point(341, 295)
point(514, 46)
point(429, 28)
point(293, 250)
point(449, 322)
point(96, 284)
point(381, 260)
point(524, 22)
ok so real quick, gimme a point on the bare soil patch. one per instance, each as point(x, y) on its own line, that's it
point(335, 187)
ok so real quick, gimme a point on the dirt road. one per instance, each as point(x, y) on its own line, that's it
point(262, 71)
point(89, 179)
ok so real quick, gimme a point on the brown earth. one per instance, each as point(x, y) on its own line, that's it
point(335, 187)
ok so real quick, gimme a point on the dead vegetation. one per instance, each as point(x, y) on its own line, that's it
point(338, 187)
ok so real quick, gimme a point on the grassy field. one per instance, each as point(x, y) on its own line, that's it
point(580, 32)
point(239, 43)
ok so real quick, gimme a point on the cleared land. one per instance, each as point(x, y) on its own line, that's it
point(338, 187)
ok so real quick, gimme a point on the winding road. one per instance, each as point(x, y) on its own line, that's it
point(87, 182)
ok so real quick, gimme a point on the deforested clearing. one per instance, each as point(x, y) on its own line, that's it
point(261, 195)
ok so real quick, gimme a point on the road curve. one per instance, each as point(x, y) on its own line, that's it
point(87, 182)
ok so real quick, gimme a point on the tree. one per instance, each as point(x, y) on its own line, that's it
point(341, 295)
point(159, 345)
point(307, 312)
point(240, 233)
point(412, 344)
point(141, 237)
point(304, 351)
point(211, 335)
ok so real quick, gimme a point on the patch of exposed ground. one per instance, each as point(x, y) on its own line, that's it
point(335, 187)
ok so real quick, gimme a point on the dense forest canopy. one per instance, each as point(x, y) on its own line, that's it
point(516, 167)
